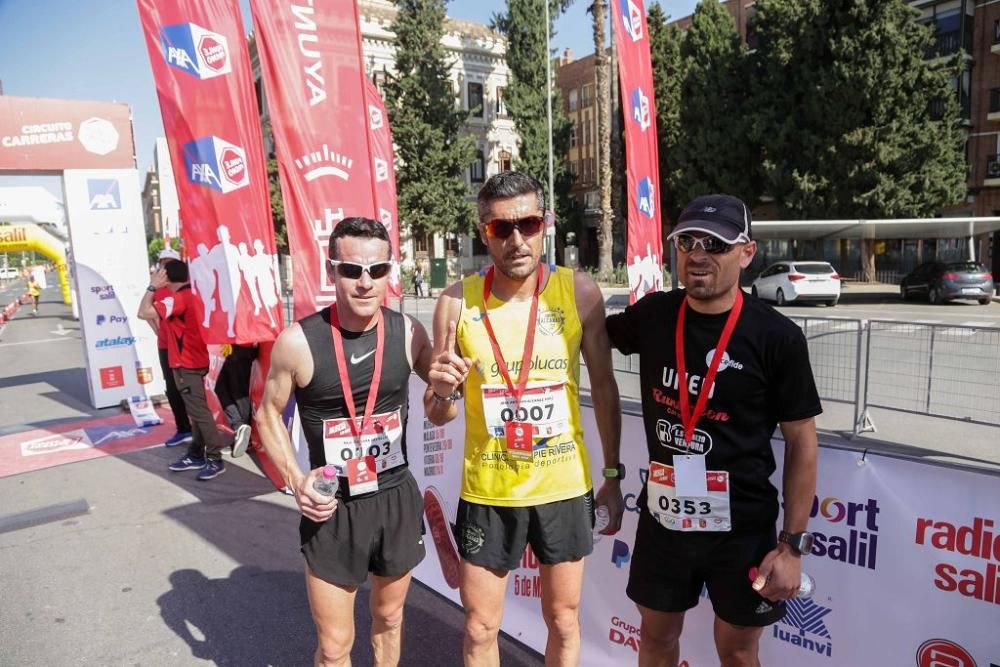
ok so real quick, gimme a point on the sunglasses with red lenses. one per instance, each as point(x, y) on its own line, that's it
point(502, 229)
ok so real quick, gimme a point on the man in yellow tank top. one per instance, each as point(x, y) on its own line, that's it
point(509, 341)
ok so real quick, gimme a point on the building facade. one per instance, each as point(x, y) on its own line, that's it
point(160, 205)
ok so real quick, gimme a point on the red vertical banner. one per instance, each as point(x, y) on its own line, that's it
point(329, 166)
point(385, 187)
point(645, 244)
point(201, 65)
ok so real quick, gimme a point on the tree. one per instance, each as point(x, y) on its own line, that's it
point(527, 57)
point(847, 127)
point(605, 230)
point(277, 206)
point(431, 155)
point(665, 51)
point(713, 153)
point(156, 245)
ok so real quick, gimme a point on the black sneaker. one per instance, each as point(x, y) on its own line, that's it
point(241, 440)
point(213, 468)
point(189, 462)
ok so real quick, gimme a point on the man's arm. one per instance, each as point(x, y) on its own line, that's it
point(285, 358)
point(596, 348)
point(448, 369)
point(147, 309)
point(418, 348)
point(781, 569)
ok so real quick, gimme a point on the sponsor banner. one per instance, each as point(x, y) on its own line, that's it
point(331, 165)
point(104, 217)
point(38, 134)
point(385, 177)
point(201, 65)
point(645, 245)
point(906, 561)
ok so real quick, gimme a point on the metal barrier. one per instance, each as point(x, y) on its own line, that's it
point(835, 354)
point(937, 370)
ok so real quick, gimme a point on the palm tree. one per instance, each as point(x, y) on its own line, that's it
point(604, 230)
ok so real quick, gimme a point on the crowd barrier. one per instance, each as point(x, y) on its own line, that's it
point(906, 561)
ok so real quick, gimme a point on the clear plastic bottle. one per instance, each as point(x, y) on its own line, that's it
point(807, 585)
point(327, 483)
point(602, 517)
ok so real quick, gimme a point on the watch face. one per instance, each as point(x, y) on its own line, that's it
point(805, 543)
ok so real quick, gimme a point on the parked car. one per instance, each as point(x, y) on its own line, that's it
point(8, 273)
point(939, 282)
point(798, 282)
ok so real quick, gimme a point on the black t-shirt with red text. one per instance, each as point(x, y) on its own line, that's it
point(764, 378)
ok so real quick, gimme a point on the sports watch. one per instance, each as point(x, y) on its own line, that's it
point(617, 472)
point(801, 542)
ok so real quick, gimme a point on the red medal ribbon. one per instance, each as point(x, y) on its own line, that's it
point(345, 380)
point(529, 340)
point(690, 418)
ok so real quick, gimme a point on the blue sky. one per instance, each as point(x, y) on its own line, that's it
point(94, 50)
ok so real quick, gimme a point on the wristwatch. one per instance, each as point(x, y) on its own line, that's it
point(151, 289)
point(618, 472)
point(801, 542)
point(451, 398)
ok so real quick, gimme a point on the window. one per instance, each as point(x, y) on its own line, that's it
point(588, 95)
point(475, 99)
point(572, 135)
point(477, 170)
point(574, 168)
point(420, 243)
point(501, 104)
point(573, 100)
point(586, 132)
point(506, 161)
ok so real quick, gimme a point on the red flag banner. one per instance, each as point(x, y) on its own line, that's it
point(645, 244)
point(385, 187)
point(313, 73)
point(201, 65)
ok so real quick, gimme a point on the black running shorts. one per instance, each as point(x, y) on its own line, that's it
point(669, 569)
point(495, 537)
point(382, 534)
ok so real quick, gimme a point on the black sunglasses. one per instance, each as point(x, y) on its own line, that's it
point(502, 229)
point(710, 244)
point(354, 271)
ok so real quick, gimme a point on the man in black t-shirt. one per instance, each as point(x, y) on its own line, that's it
point(349, 368)
point(719, 370)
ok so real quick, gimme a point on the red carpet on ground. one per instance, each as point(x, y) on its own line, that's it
point(36, 449)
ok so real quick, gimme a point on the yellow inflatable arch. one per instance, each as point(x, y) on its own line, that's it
point(27, 238)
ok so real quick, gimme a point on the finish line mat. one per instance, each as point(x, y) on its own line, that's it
point(36, 449)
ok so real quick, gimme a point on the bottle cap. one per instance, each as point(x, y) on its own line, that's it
point(329, 472)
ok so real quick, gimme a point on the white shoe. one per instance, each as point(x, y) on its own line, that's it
point(241, 440)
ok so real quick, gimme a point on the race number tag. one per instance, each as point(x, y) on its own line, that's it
point(361, 476)
point(708, 513)
point(543, 407)
point(519, 441)
point(382, 440)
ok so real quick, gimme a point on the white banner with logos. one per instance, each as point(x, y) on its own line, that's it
point(906, 561)
point(111, 271)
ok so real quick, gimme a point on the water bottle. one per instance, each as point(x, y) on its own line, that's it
point(602, 517)
point(807, 585)
point(326, 483)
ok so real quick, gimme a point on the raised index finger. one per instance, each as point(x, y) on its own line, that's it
point(449, 341)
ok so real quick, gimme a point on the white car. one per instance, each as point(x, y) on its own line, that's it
point(797, 282)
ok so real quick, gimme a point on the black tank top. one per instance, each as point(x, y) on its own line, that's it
point(323, 398)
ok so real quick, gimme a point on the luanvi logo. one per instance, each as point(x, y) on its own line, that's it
point(810, 632)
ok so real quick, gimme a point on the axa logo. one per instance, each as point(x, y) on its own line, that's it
point(640, 108)
point(807, 627)
point(217, 164)
point(198, 51)
point(632, 19)
point(726, 362)
point(104, 194)
point(646, 196)
point(620, 553)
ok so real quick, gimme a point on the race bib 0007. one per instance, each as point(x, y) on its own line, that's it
point(708, 513)
point(382, 439)
point(543, 406)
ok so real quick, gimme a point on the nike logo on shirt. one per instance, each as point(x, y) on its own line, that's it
point(358, 360)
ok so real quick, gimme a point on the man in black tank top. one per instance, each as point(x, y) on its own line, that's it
point(349, 367)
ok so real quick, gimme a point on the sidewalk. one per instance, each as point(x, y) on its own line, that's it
point(115, 561)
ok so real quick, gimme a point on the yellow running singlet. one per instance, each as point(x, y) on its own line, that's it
point(559, 469)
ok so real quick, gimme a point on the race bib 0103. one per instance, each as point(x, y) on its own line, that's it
point(543, 405)
point(382, 440)
point(708, 513)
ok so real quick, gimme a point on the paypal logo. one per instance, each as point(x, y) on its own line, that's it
point(216, 164)
point(104, 194)
point(646, 195)
point(199, 52)
point(632, 15)
point(620, 553)
point(640, 108)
